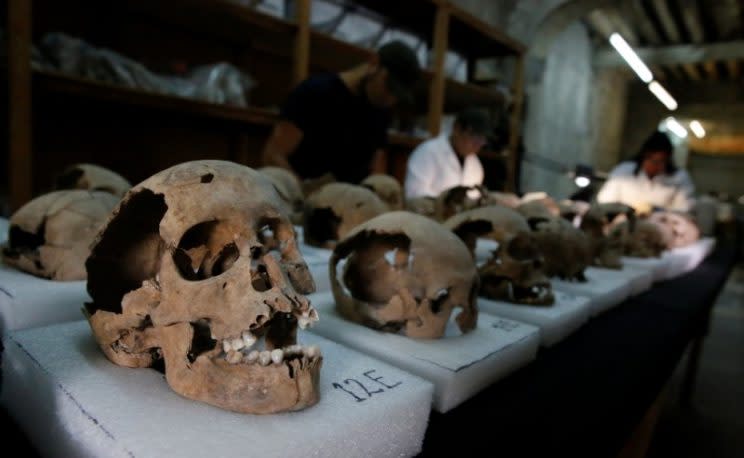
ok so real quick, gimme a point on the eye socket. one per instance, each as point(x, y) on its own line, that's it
point(206, 250)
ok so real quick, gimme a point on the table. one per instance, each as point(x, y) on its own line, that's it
point(585, 395)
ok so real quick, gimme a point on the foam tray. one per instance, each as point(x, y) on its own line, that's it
point(72, 401)
point(604, 291)
point(27, 301)
point(657, 267)
point(640, 279)
point(684, 259)
point(458, 365)
point(556, 322)
point(4, 224)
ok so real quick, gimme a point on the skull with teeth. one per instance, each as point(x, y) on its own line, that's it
point(94, 178)
point(196, 266)
point(599, 223)
point(387, 188)
point(515, 271)
point(678, 229)
point(50, 236)
point(405, 273)
point(336, 208)
point(458, 199)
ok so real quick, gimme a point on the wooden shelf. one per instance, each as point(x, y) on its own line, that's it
point(57, 83)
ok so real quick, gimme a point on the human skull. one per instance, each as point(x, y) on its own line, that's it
point(93, 178)
point(197, 268)
point(515, 271)
point(645, 240)
point(505, 199)
point(459, 199)
point(678, 229)
point(405, 273)
point(335, 209)
point(599, 223)
point(289, 189)
point(50, 236)
point(387, 188)
point(566, 249)
point(424, 205)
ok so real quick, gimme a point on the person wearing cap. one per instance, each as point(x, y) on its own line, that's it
point(337, 123)
point(651, 180)
point(450, 160)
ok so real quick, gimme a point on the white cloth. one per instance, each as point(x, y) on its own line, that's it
point(434, 167)
point(671, 192)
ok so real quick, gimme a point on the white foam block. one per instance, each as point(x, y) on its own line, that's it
point(640, 279)
point(72, 401)
point(556, 322)
point(658, 267)
point(27, 301)
point(458, 365)
point(604, 291)
point(684, 259)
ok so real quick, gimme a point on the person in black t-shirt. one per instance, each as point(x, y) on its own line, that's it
point(337, 123)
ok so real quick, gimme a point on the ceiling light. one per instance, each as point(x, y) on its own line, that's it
point(676, 128)
point(627, 53)
point(582, 182)
point(662, 94)
point(697, 129)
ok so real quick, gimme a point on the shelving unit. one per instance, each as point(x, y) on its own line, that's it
point(54, 119)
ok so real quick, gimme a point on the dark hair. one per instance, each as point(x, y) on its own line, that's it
point(656, 142)
point(474, 120)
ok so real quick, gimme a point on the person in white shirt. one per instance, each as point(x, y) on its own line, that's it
point(651, 180)
point(450, 160)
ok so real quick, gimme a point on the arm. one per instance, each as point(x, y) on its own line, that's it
point(610, 191)
point(284, 139)
point(379, 162)
point(684, 197)
point(417, 183)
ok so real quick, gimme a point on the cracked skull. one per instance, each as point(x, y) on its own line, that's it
point(50, 236)
point(197, 270)
point(94, 178)
point(387, 188)
point(405, 273)
point(515, 270)
point(335, 209)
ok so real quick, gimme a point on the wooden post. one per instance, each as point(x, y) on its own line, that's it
point(301, 62)
point(19, 107)
point(515, 124)
point(439, 48)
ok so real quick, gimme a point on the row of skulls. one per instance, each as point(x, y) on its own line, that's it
point(197, 269)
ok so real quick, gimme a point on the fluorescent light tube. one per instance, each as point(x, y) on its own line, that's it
point(697, 129)
point(662, 94)
point(627, 53)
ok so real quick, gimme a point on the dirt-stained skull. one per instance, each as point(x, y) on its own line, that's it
point(515, 271)
point(599, 223)
point(93, 178)
point(335, 209)
point(566, 249)
point(387, 188)
point(198, 268)
point(459, 199)
point(678, 229)
point(423, 205)
point(289, 188)
point(405, 273)
point(645, 240)
point(50, 236)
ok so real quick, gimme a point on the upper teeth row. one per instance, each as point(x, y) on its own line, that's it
point(246, 339)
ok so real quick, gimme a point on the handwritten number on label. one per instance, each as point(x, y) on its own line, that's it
point(361, 392)
point(507, 326)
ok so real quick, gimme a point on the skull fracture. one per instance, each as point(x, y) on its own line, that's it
point(196, 269)
point(405, 273)
point(515, 271)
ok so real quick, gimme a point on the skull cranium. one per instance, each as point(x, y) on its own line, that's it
point(197, 266)
point(387, 188)
point(94, 178)
point(405, 272)
point(50, 236)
